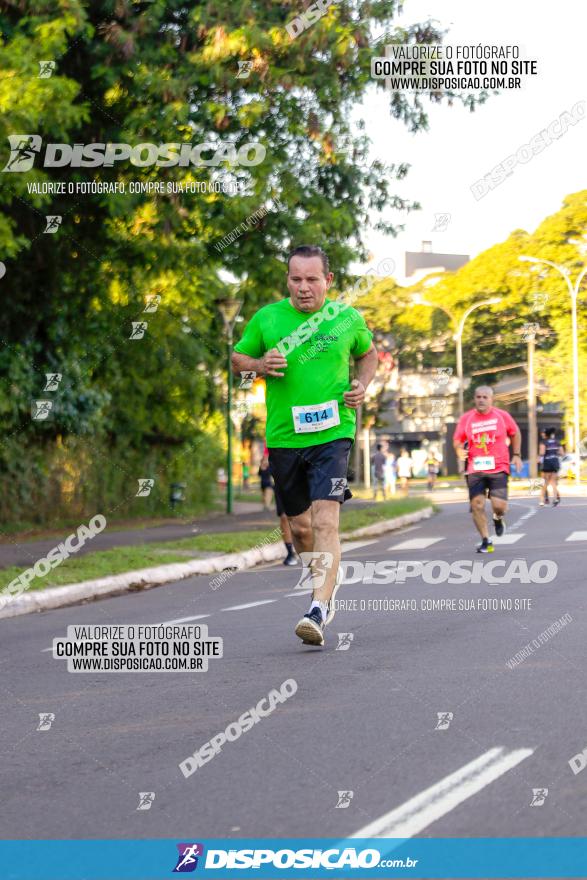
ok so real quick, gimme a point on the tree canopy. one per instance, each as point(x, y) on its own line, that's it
point(167, 72)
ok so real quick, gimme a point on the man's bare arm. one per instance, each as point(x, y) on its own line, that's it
point(366, 367)
point(460, 450)
point(271, 364)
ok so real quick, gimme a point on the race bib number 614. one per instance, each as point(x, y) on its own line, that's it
point(315, 418)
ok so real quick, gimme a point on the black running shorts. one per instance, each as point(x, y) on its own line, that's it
point(315, 473)
point(491, 485)
point(279, 509)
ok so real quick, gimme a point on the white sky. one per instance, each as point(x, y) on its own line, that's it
point(460, 147)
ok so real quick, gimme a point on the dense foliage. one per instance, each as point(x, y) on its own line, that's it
point(164, 71)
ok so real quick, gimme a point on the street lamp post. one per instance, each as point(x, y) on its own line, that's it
point(459, 342)
point(530, 332)
point(574, 293)
point(229, 309)
point(459, 327)
point(532, 423)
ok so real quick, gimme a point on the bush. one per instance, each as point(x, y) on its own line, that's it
point(73, 478)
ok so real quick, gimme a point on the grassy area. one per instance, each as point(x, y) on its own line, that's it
point(121, 559)
point(356, 518)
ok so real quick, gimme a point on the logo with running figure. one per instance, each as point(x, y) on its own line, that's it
point(52, 381)
point(46, 68)
point(344, 641)
point(187, 860)
point(444, 719)
point(442, 376)
point(344, 800)
point(146, 799)
point(441, 222)
point(46, 719)
point(244, 69)
point(145, 486)
point(529, 331)
point(24, 148)
point(315, 564)
point(483, 440)
point(247, 379)
point(539, 795)
point(339, 485)
point(41, 410)
point(53, 223)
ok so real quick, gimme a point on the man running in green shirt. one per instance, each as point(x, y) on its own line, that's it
point(303, 347)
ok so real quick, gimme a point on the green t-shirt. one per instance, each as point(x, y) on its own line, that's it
point(318, 348)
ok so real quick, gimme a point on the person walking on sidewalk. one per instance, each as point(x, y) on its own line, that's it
point(486, 429)
point(432, 468)
point(404, 470)
point(378, 461)
point(302, 345)
point(390, 474)
point(550, 452)
point(267, 487)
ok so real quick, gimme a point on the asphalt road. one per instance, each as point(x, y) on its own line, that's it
point(363, 720)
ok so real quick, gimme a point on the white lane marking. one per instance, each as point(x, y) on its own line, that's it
point(354, 545)
point(435, 802)
point(179, 620)
point(249, 605)
point(508, 538)
point(530, 511)
point(415, 544)
point(577, 536)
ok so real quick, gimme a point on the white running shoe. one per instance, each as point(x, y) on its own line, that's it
point(310, 628)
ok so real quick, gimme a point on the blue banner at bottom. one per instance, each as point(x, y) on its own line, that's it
point(273, 859)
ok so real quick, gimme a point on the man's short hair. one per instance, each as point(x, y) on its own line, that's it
point(379, 447)
point(484, 388)
point(310, 250)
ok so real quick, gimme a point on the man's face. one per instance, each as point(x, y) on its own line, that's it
point(307, 283)
point(483, 400)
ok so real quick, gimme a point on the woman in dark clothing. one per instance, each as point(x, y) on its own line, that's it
point(550, 451)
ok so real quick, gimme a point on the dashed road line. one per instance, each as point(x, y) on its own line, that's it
point(248, 605)
point(416, 543)
point(435, 802)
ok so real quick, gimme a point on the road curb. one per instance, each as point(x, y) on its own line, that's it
point(146, 578)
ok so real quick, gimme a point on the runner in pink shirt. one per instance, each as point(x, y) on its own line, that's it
point(485, 429)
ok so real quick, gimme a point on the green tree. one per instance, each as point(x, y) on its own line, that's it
point(157, 72)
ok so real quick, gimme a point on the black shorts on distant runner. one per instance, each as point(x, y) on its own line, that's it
point(490, 485)
point(550, 467)
point(314, 473)
point(279, 509)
